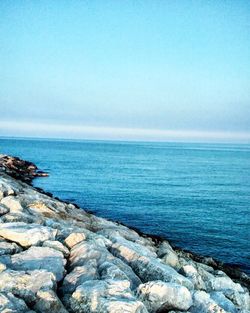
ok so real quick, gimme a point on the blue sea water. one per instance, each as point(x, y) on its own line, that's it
point(195, 195)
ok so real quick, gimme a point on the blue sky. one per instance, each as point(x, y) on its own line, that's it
point(125, 69)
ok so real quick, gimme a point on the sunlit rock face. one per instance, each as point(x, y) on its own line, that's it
point(55, 257)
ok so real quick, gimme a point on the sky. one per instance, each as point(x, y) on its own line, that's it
point(136, 70)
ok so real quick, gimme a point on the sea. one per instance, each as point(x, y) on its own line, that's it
point(196, 195)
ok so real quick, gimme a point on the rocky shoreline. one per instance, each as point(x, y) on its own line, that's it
point(56, 257)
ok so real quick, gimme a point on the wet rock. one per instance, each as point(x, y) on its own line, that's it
point(27, 234)
point(161, 296)
point(40, 258)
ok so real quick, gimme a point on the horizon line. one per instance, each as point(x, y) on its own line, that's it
point(33, 130)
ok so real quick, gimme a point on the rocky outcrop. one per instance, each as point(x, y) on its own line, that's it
point(55, 257)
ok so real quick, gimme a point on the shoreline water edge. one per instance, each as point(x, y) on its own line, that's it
point(57, 257)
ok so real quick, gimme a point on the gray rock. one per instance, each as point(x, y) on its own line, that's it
point(27, 234)
point(25, 285)
point(40, 258)
point(105, 297)
point(223, 302)
point(11, 304)
point(47, 301)
point(9, 248)
point(146, 265)
point(203, 303)
point(79, 275)
point(161, 296)
point(3, 209)
point(57, 245)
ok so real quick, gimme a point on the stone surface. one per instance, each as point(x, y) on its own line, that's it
point(11, 304)
point(27, 234)
point(74, 239)
point(40, 258)
point(158, 295)
point(47, 301)
point(105, 297)
point(25, 285)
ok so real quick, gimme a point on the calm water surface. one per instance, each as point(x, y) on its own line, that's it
point(196, 195)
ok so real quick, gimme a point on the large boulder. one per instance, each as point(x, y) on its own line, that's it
point(146, 265)
point(40, 258)
point(203, 303)
point(27, 234)
point(25, 285)
point(99, 296)
point(161, 296)
point(47, 301)
point(12, 203)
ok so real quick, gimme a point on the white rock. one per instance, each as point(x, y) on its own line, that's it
point(57, 245)
point(74, 238)
point(202, 303)
point(223, 302)
point(157, 295)
point(26, 284)
point(26, 234)
point(12, 203)
point(47, 301)
point(220, 283)
point(40, 258)
point(79, 275)
point(146, 266)
point(105, 297)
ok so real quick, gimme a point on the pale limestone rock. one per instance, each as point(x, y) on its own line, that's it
point(145, 265)
point(157, 295)
point(26, 284)
point(191, 272)
point(168, 255)
point(79, 275)
point(223, 302)
point(9, 248)
point(27, 234)
point(47, 301)
point(240, 299)
point(57, 245)
point(220, 283)
point(40, 258)
point(13, 203)
point(105, 297)
point(73, 239)
point(11, 304)
point(203, 303)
